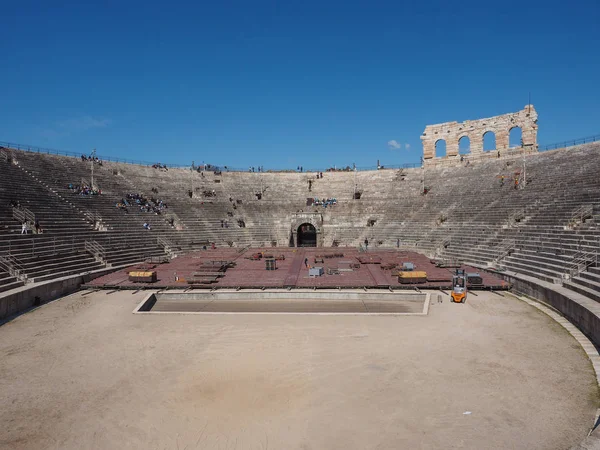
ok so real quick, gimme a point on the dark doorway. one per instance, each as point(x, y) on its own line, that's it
point(307, 235)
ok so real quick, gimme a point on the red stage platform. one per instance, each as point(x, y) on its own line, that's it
point(342, 267)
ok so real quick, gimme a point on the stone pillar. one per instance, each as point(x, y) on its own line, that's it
point(529, 127)
point(476, 143)
point(501, 139)
point(428, 148)
point(295, 237)
point(452, 147)
point(529, 136)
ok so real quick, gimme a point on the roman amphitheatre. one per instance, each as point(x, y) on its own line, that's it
point(161, 307)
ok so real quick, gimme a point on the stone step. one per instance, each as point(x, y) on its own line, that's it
point(583, 290)
point(12, 285)
point(590, 284)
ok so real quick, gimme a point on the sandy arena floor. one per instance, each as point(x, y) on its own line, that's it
point(85, 373)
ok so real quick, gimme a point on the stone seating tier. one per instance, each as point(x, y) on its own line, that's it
point(466, 214)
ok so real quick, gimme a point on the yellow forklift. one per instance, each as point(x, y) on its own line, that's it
point(459, 286)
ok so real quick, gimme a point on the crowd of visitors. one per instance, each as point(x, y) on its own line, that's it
point(24, 225)
point(36, 225)
point(325, 202)
point(160, 166)
point(151, 205)
point(345, 169)
point(84, 189)
point(92, 158)
point(209, 167)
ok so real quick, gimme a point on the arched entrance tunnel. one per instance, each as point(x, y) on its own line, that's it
point(307, 235)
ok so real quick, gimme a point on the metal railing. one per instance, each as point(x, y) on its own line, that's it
point(516, 217)
point(409, 244)
point(13, 266)
point(571, 143)
point(23, 214)
point(3, 156)
point(93, 217)
point(164, 242)
point(96, 250)
point(167, 246)
point(50, 151)
point(510, 152)
point(440, 246)
point(35, 246)
point(504, 249)
point(581, 213)
point(580, 262)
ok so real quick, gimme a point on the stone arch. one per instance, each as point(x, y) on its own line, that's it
point(313, 219)
point(440, 148)
point(489, 140)
point(306, 235)
point(515, 137)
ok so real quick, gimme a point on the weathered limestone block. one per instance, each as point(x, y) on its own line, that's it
point(502, 139)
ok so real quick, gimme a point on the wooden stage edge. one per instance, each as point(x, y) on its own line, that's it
point(342, 268)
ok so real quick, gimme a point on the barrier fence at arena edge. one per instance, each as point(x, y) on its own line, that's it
point(50, 151)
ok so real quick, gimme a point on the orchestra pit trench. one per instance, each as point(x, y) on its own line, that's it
point(86, 371)
point(277, 301)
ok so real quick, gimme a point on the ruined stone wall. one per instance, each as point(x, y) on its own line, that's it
point(452, 132)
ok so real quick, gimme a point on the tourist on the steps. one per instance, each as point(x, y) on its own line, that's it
point(38, 228)
point(306, 262)
point(366, 243)
point(24, 228)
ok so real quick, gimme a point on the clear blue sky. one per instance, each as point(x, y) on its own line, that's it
point(281, 84)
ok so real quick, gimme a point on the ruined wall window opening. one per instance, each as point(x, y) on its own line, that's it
point(440, 148)
point(464, 145)
point(489, 141)
point(515, 137)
